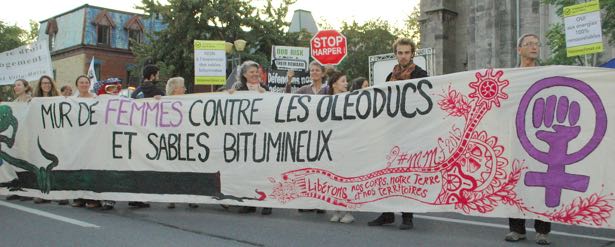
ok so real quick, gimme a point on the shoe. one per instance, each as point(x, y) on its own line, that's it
point(171, 205)
point(63, 202)
point(514, 237)
point(138, 204)
point(337, 215)
point(406, 222)
point(383, 219)
point(25, 198)
point(320, 211)
point(347, 219)
point(266, 211)
point(92, 204)
point(245, 210)
point(39, 200)
point(305, 210)
point(193, 205)
point(107, 205)
point(542, 239)
point(12, 197)
point(78, 203)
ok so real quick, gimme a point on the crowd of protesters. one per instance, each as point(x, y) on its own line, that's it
point(324, 81)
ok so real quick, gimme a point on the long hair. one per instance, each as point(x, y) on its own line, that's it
point(357, 83)
point(335, 75)
point(26, 85)
point(38, 92)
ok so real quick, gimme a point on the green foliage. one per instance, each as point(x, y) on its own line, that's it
point(229, 20)
point(557, 40)
point(411, 26)
point(371, 38)
point(11, 37)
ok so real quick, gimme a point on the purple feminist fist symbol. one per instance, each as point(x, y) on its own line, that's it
point(561, 117)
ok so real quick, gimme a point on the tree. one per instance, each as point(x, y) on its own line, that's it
point(371, 38)
point(412, 26)
point(556, 39)
point(227, 20)
point(11, 37)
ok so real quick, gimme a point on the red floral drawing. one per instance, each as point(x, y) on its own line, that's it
point(473, 175)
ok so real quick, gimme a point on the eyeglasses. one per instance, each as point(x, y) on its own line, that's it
point(536, 44)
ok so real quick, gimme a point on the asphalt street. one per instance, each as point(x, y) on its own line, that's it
point(24, 223)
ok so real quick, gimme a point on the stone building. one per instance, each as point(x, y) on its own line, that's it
point(474, 34)
point(89, 31)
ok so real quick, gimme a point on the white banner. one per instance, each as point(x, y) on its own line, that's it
point(28, 62)
point(529, 143)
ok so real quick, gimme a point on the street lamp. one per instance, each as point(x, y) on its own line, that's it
point(239, 46)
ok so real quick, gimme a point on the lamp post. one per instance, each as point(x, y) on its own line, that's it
point(239, 45)
point(233, 49)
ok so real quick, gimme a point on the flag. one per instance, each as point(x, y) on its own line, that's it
point(92, 75)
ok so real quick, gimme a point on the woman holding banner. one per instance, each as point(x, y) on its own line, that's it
point(22, 91)
point(45, 88)
point(249, 79)
point(317, 75)
point(83, 91)
point(22, 94)
point(176, 86)
point(338, 84)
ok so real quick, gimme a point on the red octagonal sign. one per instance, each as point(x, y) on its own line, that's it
point(328, 47)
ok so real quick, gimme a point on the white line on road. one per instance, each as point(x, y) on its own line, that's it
point(476, 223)
point(48, 215)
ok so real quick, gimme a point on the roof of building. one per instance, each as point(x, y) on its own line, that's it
point(90, 6)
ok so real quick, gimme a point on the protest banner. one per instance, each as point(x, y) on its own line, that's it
point(28, 62)
point(523, 142)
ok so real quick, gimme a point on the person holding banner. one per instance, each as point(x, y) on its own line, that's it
point(83, 87)
point(176, 86)
point(249, 79)
point(338, 84)
point(359, 83)
point(66, 90)
point(22, 91)
point(528, 48)
point(22, 94)
point(405, 69)
point(46, 88)
point(317, 75)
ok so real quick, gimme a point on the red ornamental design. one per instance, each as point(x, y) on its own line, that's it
point(473, 175)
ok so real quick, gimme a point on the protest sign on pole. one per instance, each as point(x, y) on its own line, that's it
point(28, 62)
point(328, 47)
point(283, 59)
point(519, 142)
point(209, 62)
point(583, 29)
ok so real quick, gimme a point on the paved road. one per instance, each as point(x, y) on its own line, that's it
point(27, 224)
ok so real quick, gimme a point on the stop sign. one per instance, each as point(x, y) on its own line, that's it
point(328, 47)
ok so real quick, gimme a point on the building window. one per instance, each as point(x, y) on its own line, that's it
point(104, 35)
point(97, 69)
point(104, 27)
point(134, 37)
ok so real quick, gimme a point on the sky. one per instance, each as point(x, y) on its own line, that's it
point(334, 11)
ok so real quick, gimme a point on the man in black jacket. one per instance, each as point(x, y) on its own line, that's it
point(148, 88)
point(404, 70)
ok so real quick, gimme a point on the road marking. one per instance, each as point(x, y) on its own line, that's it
point(468, 222)
point(48, 215)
